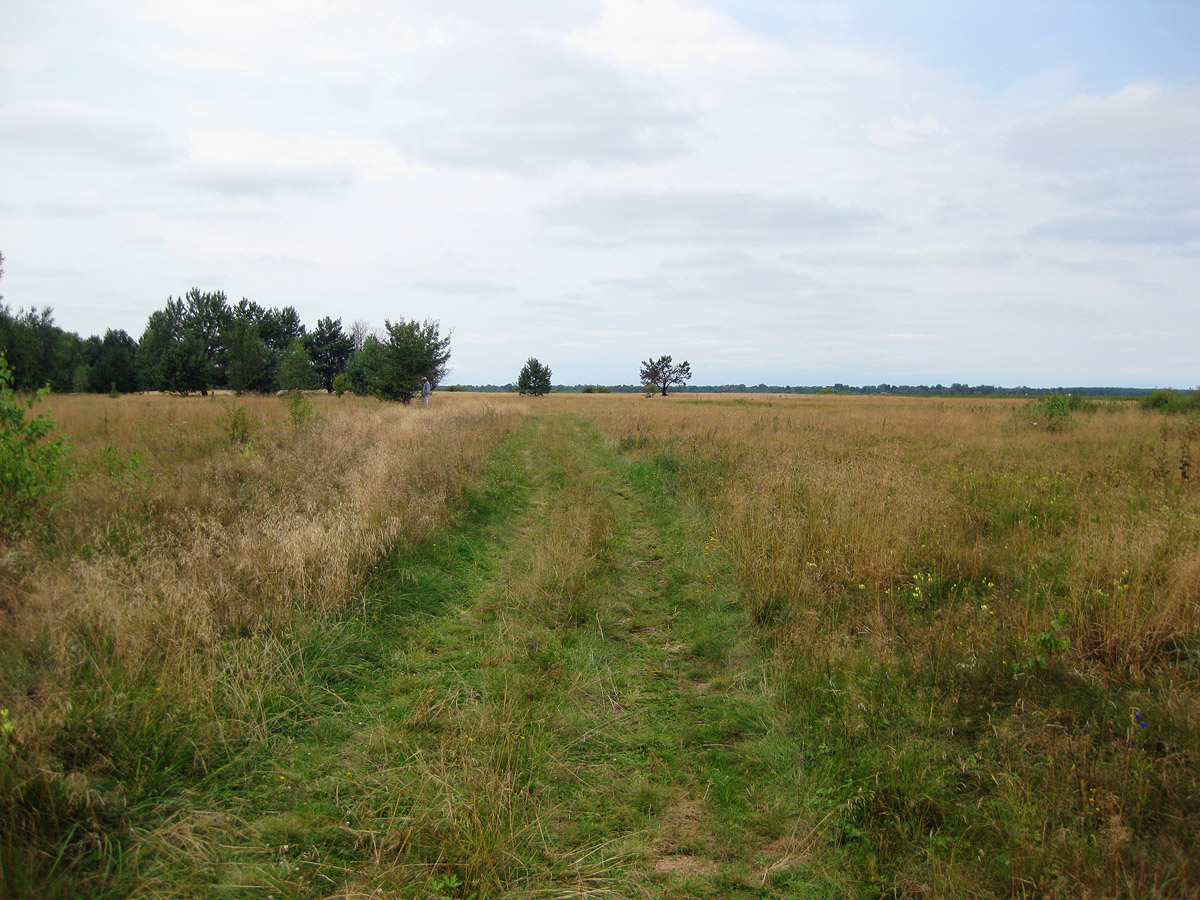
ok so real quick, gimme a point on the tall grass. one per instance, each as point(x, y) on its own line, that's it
point(823, 496)
point(982, 642)
point(148, 619)
point(1019, 603)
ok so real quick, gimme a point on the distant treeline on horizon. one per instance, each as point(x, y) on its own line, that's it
point(41, 353)
point(908, 390)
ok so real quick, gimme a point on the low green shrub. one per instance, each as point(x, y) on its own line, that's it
point(32, 464)
point(1055, 411)
point(300, 409)
point(1170, 401)
point(240, 424)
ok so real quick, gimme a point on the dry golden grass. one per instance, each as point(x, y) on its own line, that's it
point(903, 557)
point(820, 496)
point(200, 536)
point(922, 567)
point(173, 537)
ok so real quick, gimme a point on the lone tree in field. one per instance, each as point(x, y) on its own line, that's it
point(661, 373)
point(393, 369)
point(534, 378)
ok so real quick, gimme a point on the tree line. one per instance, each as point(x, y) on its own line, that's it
point(201, 342)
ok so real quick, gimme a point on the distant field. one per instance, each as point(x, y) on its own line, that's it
point(582, 645)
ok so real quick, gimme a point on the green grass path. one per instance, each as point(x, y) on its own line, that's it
point(558, 697)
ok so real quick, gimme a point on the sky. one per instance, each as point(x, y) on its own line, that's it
point(778, 191)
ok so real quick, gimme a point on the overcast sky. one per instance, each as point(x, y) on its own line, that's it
point(778, 191)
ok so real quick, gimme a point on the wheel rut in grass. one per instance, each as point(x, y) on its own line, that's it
point(556, 696)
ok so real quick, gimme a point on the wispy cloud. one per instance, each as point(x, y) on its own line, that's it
point(704, 218)
point(529, 106)
point(82, 131)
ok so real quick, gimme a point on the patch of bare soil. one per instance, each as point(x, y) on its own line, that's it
point(682, 828)
point(686, 865)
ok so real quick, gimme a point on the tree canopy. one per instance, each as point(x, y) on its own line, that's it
point(296, 371)
point(534, 378)
point(393, 369)
point(200, 341)
point(329, 347)
point(662, 373)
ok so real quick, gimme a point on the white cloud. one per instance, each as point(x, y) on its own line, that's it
point(959, 255)
point(896, 131)
point(671, 37)
point(529, 106)
point(455, 286)
point(70, 128)
point(235, 62)
point(704, 218)
point(1139, 124)
point(370, 160)
point(265, 180)
point(257, 164)
point(1119, 229)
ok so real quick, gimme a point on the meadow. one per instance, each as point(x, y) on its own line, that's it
point(606, 645)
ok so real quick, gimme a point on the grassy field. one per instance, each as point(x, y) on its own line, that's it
point(603, 645)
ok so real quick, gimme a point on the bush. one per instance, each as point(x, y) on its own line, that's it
point(1169, 401)
point(341, 384)
point(300, 409)
point(239, 423)
point(1080, 403)
point(32, 466)
point(1054, 411)
point(596, 389)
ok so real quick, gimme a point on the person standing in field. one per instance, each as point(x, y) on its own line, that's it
point(425, 389)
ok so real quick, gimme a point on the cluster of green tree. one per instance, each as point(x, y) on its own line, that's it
point(202, 342)
point(42, 354)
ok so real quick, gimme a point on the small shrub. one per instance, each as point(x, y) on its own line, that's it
point(118, 466)
point(1080, 403)
point(239, 424)
point(6, 730)
point(1046, 645)
point(1050, 413)
point(32, 466)
point(341, 384)
point(300, 409)
point(597, 389)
